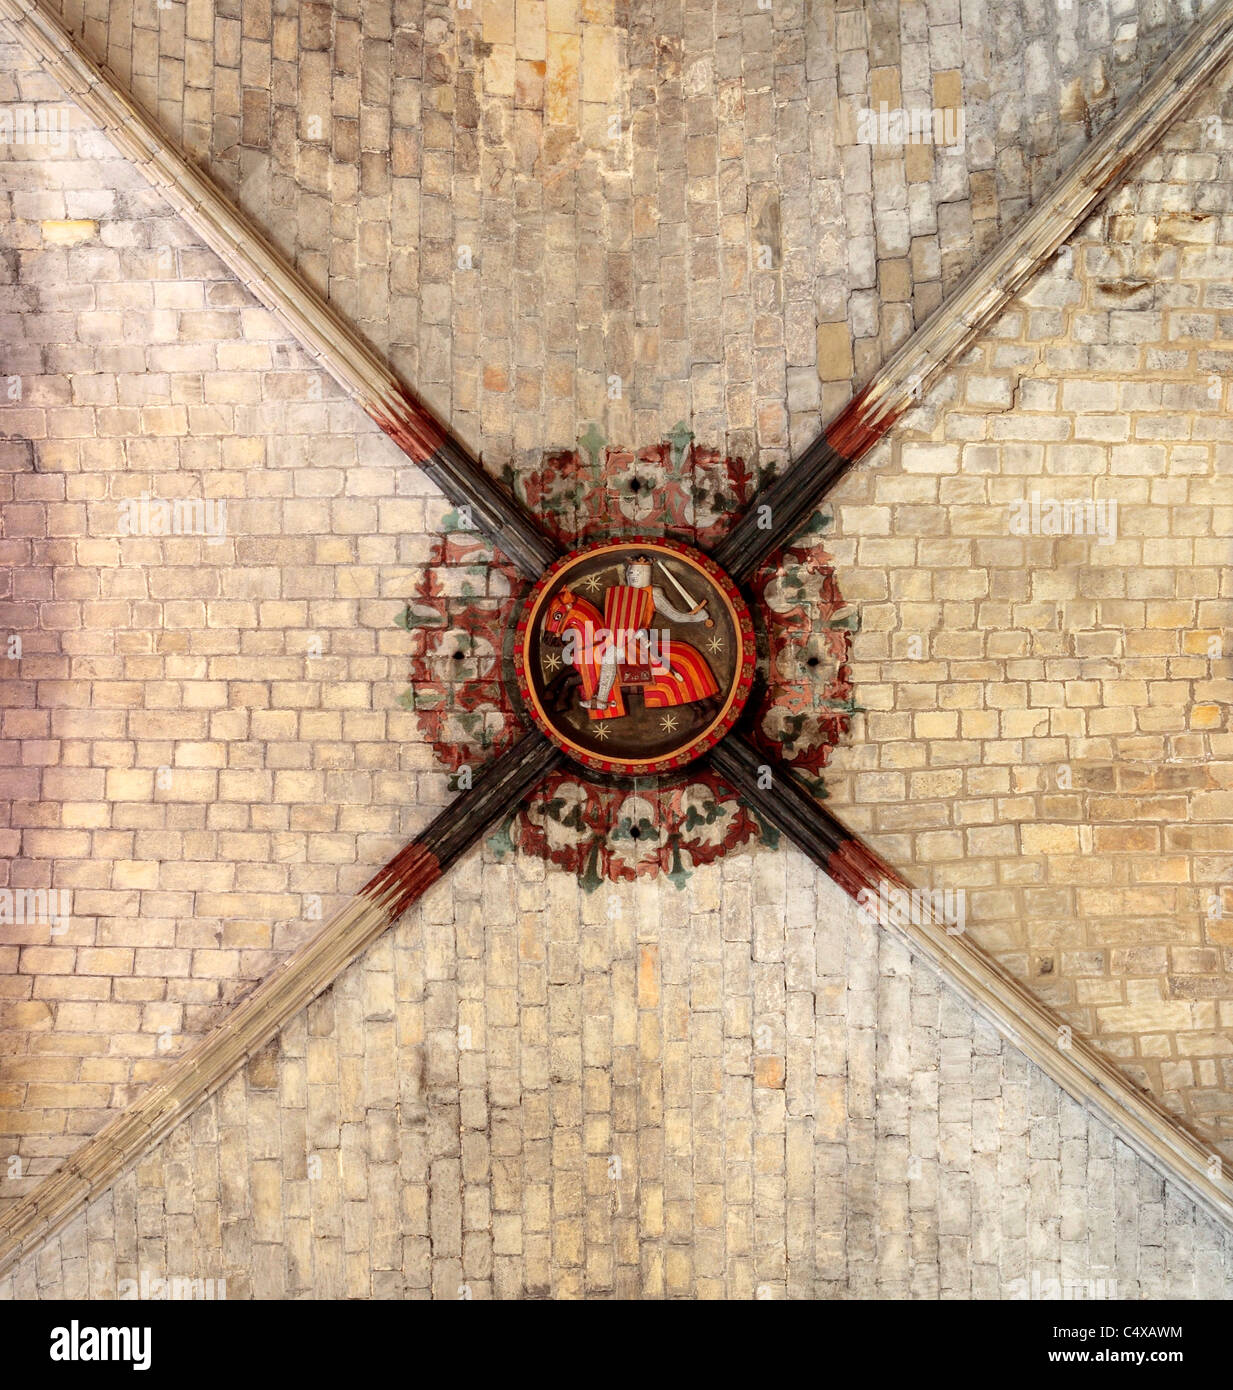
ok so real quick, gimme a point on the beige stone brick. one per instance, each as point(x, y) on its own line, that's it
point(834, 348)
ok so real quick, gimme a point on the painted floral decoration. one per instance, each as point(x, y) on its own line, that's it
point(464, 608)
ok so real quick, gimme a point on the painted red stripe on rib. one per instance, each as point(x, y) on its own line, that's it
point(416, 432)
point(854, 866)
point(410, 873)
point(854, 431)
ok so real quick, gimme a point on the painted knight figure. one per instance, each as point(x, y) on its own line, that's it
point(626, 650)
point(635, 656)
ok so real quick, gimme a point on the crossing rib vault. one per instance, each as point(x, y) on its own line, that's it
point(894, 390)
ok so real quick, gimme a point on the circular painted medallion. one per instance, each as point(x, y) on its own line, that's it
point(635, 656)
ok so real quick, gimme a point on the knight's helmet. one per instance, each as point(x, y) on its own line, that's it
point(638, 573)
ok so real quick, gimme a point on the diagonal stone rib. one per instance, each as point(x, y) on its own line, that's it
point(285, 992)
point(978, 298)
point(1082, 1072)
point(334, 345)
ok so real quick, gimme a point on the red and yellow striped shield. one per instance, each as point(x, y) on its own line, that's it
point(628, 610)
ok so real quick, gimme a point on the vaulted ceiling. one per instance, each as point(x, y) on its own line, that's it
point(511, 215)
